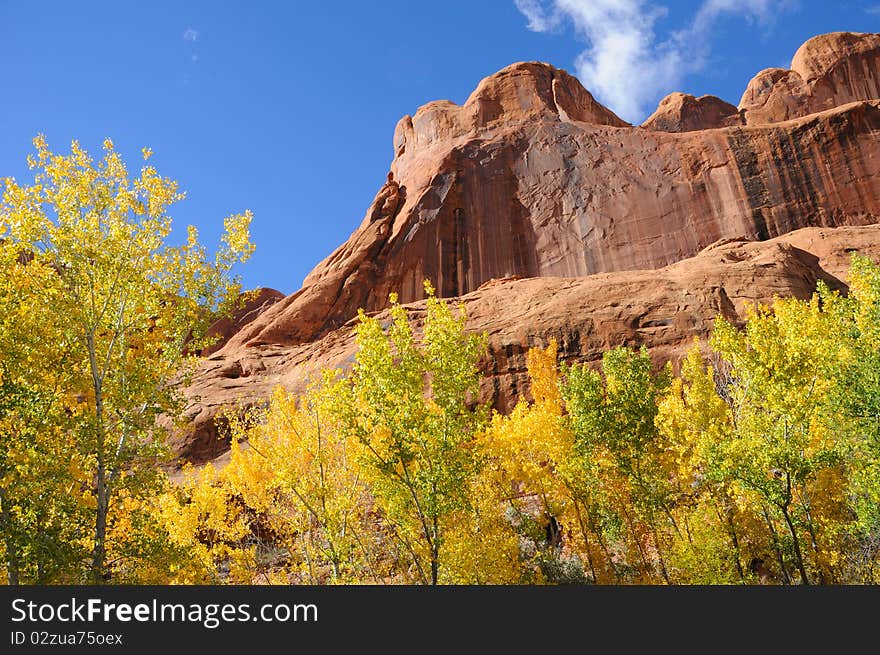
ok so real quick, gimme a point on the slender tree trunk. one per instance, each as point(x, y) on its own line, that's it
point(687, 530)
point(786, 578)
point(796, 542)
point(814, 543)
point(638, 541)
point(435, 553)
point(604, 546)
point(734, 539)
point(324, 521)
point(429, 535)
point(660, 559)
point(674, 523)
point(99, 551)
point(583, 527)
point(12, 565)
point(307, 553)
point(724, 512)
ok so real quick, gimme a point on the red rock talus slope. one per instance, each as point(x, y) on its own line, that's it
point(532, 178)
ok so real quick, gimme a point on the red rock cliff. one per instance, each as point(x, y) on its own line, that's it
point(532, 178)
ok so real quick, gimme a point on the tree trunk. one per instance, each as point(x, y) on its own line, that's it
point(435, 553)
point(99, 552)
point(776, 547)
point(102, 491)
point(814, 543)
point(12, 572)
point(583, 528)
point(734, 539)
point(632, 529)
point(796, 542)
point(597, 530)
point(660, 558)
point(724, 510)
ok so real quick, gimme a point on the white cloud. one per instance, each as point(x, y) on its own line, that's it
point(539, 21)
point(190, 35)
point(874, 11)
point(712, 10)
point(625, 64)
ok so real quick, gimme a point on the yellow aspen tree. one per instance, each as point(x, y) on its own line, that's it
point(416, 417)
point(208, 530)
point(527, 457)
point(694, 420)
point(620, 451)
point(858, 398)
point(294, 466)
point(125, 303)
point(784, 450)
point(42, 508)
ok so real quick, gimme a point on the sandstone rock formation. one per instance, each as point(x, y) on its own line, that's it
point(254, 303)
point(682, 112)
point(662, 309)
point(827, 71)
point(532, 178)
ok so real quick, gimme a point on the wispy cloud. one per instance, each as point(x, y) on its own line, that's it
point(626, 65)
point(539, 19)
point(190, 35)
point(873, 10)
point(762, 11)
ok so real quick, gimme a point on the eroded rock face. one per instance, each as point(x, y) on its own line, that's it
point(662, 309)
point(682, 112)
point(827, 71)
point(531, 178)
point(521, 94)
point(254, 303)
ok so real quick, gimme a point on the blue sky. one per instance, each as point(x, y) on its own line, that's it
point(288, 108)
